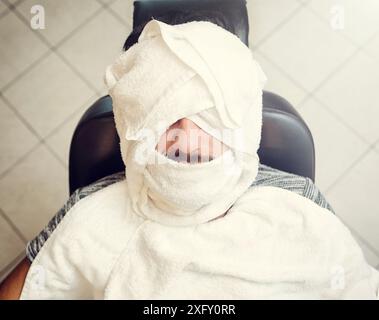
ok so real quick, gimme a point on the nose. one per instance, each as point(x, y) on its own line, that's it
point(187, 135)
point(185, 124)
point(186, 141)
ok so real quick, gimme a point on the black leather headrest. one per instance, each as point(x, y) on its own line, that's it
point(230, 14)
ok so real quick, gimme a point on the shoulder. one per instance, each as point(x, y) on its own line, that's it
point(85, 245)
point(303, 186)
point(106, 211)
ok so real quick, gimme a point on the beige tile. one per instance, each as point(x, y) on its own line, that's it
point(48, 94)
point(358, 19)
point(60, 140)
point(306, 49)
point(22, 48)
point(96, 46)
point(352, 93)
point(355, 198)
point(124, 9)
point(336, 146)
point(32, 192)
point(11, 245)
point(266, 15)
point(61, 17)
point(279, 83)
point(16, 138)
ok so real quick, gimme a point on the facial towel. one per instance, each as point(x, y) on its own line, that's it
point(143, 237)
point(198, 71)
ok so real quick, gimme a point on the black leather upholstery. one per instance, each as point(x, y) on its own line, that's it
point(286, 144)
point(235, 11)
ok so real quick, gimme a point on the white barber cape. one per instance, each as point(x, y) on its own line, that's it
point(155, 234)
point(272, 244)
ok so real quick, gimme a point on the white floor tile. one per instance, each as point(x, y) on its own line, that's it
point(336, 146)
point(358, 19)
point(279, 83)
point(355, 198)
point(16, 138)
point(96, 46)
point(20, 48)
point(32, 192)
point(307, 49)
point(11, 244)
point(124, 9)
point(352, 93)
point(61, 17)
point(266, 15)
point(48, 94)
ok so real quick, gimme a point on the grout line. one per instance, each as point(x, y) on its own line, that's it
point(4, 13)
point(118, 17)
point(26, 70)
point(375, 145)
point(13, 226)
point(323, 19)
point(74, 31)
point(20, 117)
point(41, 141)
point(284, 74)
point(279, 26)
point(106, 3)
point(364, 47)
point(340, 119)
point(54, 154)
point(90, 100)
point(71, 116)
point(350, 167)
point(342, 33)
point(312, 94)
point(55, 48)
point(20, 160)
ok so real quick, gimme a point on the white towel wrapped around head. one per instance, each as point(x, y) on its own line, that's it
point(196, 70)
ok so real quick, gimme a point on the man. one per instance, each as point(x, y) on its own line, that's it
point(187, 146)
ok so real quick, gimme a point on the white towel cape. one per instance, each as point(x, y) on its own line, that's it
point(118, 243)
point(272, 244)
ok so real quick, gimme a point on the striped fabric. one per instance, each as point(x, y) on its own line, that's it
point(267, 176)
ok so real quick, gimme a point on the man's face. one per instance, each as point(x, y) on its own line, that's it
point(184, 141)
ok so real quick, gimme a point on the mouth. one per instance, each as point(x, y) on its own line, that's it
point(194, 157)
